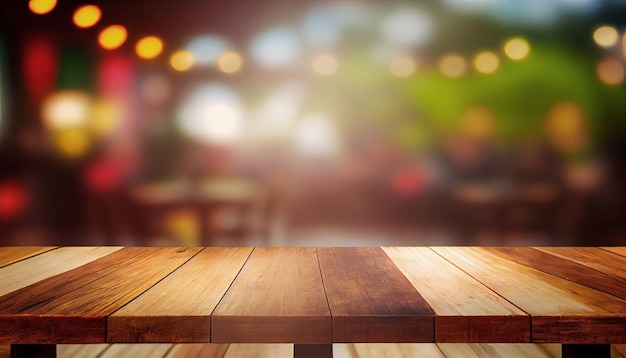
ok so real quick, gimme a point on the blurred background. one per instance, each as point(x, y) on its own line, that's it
point(278, 122)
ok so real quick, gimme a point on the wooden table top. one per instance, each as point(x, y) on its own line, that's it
point(308, 295)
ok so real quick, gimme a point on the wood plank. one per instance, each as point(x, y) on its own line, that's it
point(618, 350)
point(136, 350)
point(371, 300)
point(620, 250)
point(72, 307)
point(561, 311)
point(466, 311)
point(81, 350)
point(278, 297)
point(593, 257)
point(178, 309)
point(565, 268)
point(519, 350)
point(259, 351)
point(37, 268)
point(390, 350)
point(12, 254)
point(203, 350)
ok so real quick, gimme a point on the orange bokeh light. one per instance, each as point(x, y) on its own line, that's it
point(87, 16)
point(41, 7)
point(112, 37)
point(149, 47)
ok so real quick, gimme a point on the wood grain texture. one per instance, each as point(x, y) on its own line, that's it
point(12, 254)
point(136, 350)
point(371, 300)
point(570, 270)
point(259, 350)
point(466, 310)
point(178, 309)
point(37, 268)
point(561, 310)
point(81, 350)
point(601, 260)
point(387, 350)
point(72, 307)
point(621, 250)
point(278, 297)
point(191, 350)
point(493, 350)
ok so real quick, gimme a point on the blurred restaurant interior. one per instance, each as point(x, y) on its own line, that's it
point(321, 123)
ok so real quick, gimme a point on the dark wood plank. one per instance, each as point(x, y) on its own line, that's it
point(561, 311)
point(466, 311)
point(33, 351)
point(586, 351)
point(565, 268)
point(278, 297)
point(72, 307)
point(12, 254)
point(371, 300)
point(313, 351)
point(593, 257)
point(178, 309)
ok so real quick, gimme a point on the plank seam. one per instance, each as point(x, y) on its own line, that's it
point(319, 267)
point(30, 257)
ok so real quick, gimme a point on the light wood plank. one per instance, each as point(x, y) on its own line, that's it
point(136, 350)
point(386, 350)
point(466, 311)
point(197, 350)
point(51, 263)
point(178, 309)
point(12, 254)
point(262, 350)
point(5, 350)
point(461, 350)
point(561, 311)
point(81, 350)
point(72, 307)
point(566, 268)
point(371, 300)
point(620, 250)
point(278, 297)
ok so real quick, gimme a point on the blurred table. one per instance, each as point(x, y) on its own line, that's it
point(313, 297)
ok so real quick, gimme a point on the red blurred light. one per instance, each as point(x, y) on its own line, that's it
point(408, 182)
point(103, 175)
point(115, 76)
point(12, 200)
point(41, 65)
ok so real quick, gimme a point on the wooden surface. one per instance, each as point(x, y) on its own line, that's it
point(278, 297)
point(371, 300)
point(312, 296)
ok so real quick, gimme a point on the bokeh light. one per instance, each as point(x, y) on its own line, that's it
point(280, 109)
point(517, 48)
point(611, 72)
point(72, 143)
point(230, 62)
point(407, 27)
point(403, 66)
point(41, 7)
point(212, 114)
point(316, 136)
point(452, 65)
point(486, 62)
point(105, 118)
point(606, 36)
point(181, 60)
point(206, 49)
point(325, 64)
point(112, 37)
point(321, 27)
point(478, 123)
point(87, 16)
point(66, 109)
point(156, 89)
point(13, 199)
point(566, 126)
point(276, 48)
point(149, 47)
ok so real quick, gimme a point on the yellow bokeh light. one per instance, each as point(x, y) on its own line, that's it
point(517, 49)
point(181, 60)
point(105, 118)
point(403, 66)
point(605, 36)
point(72, 143)
point(87, 16)
point(149, 47)
point(452, 65)
point(486, 62)
point(230, 62)
point(478, 123)
point(112, 37)
point(566, 126)
point(41, 7)
point(325, 65)
point(611, 72)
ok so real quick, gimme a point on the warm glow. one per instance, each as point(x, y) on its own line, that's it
point(72, 143)
point(517, 49)
point(316, 136)
point(611, 72)
point(68, 109)
point(105, 118)
point(149, 47)
point(566, 126)
point(112, 37)
point(624, 45)
point(325, 65)
point(486, 62)
point(87, 16)
point(452, 65)
point(41, 7)
point(605, 36)
point(181, 60)
point(230, 62)
point(403, 66)
point(478, 123)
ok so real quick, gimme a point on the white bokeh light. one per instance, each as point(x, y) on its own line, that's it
point(407, 27)
point(316, 136)
point(66, 109)
point(212, 114)
point(207, 49)
point(276, 48)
